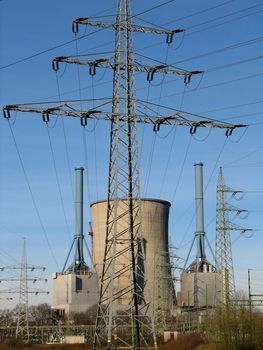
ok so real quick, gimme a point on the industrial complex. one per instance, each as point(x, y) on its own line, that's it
point(129, 274)
point(202, 284)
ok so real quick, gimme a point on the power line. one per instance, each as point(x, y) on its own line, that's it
point(245, 156)
point(225, 22)
point(205, 29)
point(160, 26)
point(182, 169)
point(222, 49)
point(154, 8)
point(96, 31)
point(166, 83)
point(233, 106)
point(200, 12)
point(236, 63)
point(73, 40)
point(65, 141)
point(188, 16)
point(8, 255)
point(241, 44)
point(226, 15)
point(32, 195)
point(58, 182)
point(54, 47)
point(171, 148)
point(155, 134)
point(227, 82)
point(211, 86)
point(207, 184)
point(48, 50)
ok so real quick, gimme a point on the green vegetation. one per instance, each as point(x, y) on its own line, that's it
point(235, 328)
point(225, 328)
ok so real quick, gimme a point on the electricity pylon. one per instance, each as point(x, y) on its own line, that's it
point(22, 329)
point(159, 297)
point(172, 266)
point(123, 318)
point(225, 281)
point(164, 298)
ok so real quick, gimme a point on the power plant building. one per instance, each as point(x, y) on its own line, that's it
point(74, 292)
point(197, 288)
point(75, 289)
point(198, 281)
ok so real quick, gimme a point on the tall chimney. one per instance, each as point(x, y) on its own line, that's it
point(199, 210)
point(79, 258)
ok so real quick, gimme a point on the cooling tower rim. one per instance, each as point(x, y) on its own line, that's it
point(142, 199)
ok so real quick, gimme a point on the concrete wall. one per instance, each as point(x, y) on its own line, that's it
point(206, 291)
point(155, 215)
point(73, 339)
point(74, 292)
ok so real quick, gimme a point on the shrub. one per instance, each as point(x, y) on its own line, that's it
point(235, 328)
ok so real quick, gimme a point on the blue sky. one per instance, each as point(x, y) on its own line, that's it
point(223, 38)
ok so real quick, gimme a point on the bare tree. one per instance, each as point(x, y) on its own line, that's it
point(40, 314)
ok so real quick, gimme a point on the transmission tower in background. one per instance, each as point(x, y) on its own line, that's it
point(124, 317)
point(225, 281)
point(22, 330)
point(160, 291)
point(164, 293)
point(174, 260)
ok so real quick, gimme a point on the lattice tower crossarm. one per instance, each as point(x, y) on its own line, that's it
point(93, 64)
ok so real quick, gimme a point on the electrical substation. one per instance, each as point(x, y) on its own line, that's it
point(128, 273)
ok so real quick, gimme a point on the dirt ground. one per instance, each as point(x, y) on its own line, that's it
point(171, 346)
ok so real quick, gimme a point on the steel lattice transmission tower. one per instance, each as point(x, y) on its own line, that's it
point(22, 329)
point(123, 319)
point(164, 298)
point(225, 282)
point(22, 320)
point(159, 311)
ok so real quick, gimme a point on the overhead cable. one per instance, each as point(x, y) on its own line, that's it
point(65, 141)
point(33, 197)
point(73, 40)
point(58, 182)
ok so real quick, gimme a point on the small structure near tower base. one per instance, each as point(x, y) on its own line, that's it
point(197, 288)
point(74, 292)
point(75, 289)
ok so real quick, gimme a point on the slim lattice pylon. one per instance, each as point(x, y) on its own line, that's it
point(22, 319)
point(22, 329)
point(225, 282)
point(159, 292)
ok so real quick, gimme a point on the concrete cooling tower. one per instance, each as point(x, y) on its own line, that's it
point(154, 219)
